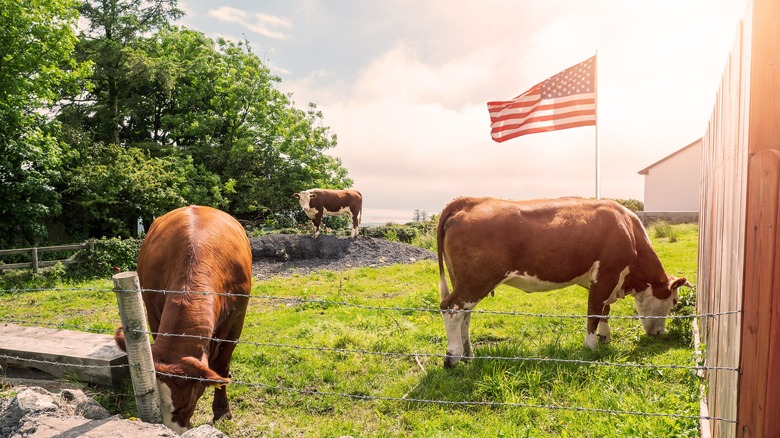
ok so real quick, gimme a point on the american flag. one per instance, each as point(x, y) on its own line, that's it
point(566, 100)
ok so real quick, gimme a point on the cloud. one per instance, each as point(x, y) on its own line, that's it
point(266, 25)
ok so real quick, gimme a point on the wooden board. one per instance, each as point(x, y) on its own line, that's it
point(87, 357)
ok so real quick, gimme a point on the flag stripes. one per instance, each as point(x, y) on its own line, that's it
point(566, 100)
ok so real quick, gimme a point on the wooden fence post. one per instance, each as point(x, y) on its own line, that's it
point(34, 253)
point(139, 351)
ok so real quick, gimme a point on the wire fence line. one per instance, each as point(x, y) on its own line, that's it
point(429, 310)
point(299, 300)
point(377, 353)
point(314, 392)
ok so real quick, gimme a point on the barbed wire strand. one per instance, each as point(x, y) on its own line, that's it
point(449, 402)
point(298, 300)
point(379, 398)
point(59, 364)
point(392, 354)
point(436, 355)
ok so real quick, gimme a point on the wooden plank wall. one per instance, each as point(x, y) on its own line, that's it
point(758, 410)
point(759, 403)
point(721, 230)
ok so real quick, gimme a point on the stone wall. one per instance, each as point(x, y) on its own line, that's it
point(672, 217)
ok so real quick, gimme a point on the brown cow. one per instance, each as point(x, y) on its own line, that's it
point(194, 249)
point(317, 203)
point(543, 245)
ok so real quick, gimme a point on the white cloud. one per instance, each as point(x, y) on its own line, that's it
point(266, 25)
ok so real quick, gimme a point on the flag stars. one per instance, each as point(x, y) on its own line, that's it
point(577, 79)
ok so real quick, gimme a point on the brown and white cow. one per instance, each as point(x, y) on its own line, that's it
point(317, 203)
point(194, 249)
point(543, 245)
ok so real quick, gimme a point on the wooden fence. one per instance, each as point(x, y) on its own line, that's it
point(35, 264)
point(739, 260)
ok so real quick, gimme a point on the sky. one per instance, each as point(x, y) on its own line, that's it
point(404, 84)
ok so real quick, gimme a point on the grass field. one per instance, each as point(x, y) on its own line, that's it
point(310, 365)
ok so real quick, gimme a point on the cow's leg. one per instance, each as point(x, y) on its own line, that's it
point(594, 308)
point(219, 361)
point(456, 323)
point(603, 333)
point(464, 336)
point(607, 284)
point(221, 365)
point(317, 221)
point(354, 224)
point(453, 323)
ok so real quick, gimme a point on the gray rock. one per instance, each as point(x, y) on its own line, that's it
point(204, 431)
point(37, 413)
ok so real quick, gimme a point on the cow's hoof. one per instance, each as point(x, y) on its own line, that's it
point(603, 339)
point(591, 341)
point(226, 415)
point(450, 361)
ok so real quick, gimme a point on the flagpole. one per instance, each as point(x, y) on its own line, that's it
point(596, 88)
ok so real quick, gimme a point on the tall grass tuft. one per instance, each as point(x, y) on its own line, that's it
point(663, 229)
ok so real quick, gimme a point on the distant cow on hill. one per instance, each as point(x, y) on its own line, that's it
point(317, 203)
point(543, 245)
point(193, 250)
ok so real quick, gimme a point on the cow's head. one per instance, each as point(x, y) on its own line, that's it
point(304, 198)
point(658, 300)
point(179, 395)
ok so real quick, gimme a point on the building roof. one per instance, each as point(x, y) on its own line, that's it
point(646, 170)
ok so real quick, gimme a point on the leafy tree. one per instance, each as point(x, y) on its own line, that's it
point(120, 185)
point(219, 104)
point(112, 27)
point(204, 118)
point(36, 68)
point(187, 97)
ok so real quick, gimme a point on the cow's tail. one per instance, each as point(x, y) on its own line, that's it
point(440, 227)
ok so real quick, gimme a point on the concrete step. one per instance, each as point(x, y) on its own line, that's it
point(86, 357)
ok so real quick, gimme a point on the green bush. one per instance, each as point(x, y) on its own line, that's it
point(107, 253)
point(418, 233)
point(394, 232)
point(631, 204)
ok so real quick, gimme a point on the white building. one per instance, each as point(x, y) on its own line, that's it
point(672, 183)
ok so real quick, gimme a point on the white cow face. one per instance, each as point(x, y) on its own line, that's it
point(304, 198)
point(648, 305)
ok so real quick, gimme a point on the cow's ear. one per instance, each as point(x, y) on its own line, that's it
point(297, 195)
point(679, 282)
point(312, 195)
point(204, 372)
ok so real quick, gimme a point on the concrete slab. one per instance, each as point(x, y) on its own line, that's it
point(87, 357)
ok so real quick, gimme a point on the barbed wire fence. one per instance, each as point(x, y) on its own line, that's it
point(413, 355)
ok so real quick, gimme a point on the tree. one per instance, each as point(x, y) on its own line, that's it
point(112, 27)
point(204, 116)
point(216, 104)
point(36, 68)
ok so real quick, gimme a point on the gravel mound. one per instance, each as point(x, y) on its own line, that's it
point(287, 254)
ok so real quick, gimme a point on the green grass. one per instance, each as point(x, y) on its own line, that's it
point(295, 391)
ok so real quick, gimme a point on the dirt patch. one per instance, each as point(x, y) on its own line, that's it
point(287, 254)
